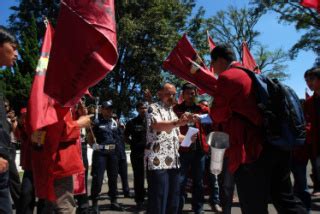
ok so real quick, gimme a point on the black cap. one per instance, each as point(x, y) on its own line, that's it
point(107, 104)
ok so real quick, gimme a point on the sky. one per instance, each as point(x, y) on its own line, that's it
point(273, 34)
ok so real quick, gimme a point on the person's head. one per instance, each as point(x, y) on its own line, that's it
point(204, 103)
point(189, 93)
point(167, 94)
point(107, 109)
point(221, 57)
point(8, 48)
point(314, 75)
point(141, 108)
point(309, 78)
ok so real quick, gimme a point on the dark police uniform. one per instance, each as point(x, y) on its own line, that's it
point(135, 132)
point(105, 157)
point(123, 165)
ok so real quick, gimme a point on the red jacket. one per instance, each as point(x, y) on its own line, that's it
point(60, 155)
point(179, 109)
point(234, 95)
point(312, 125)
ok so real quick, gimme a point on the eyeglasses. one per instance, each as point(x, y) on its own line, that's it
point(170, 94)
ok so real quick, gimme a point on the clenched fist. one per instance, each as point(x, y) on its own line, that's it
point(85, 121)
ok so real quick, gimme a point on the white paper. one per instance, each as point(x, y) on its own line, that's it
point(187, 139)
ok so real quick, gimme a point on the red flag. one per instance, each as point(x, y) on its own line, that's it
point(184, 62)
point(41, 111)
point(248, 60)
point(212, 45)
point(84, 49)
point(311, 3)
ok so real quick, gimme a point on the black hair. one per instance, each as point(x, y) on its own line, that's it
point(314, 72)
point(139, 105)
point(188, 86)
point(307, 73)
point(6, 36)
point(224, 51)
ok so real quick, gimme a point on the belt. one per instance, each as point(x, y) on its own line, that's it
point(105, 147)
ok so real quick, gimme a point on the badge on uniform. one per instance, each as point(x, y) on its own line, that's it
point(38, 137)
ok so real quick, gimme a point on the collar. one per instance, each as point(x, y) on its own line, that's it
point(231, 64)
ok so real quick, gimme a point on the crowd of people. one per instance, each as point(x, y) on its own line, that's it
point(259, 170)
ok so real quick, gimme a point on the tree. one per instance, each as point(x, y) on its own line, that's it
point(147, 31)
point(303, 18)
point(26, 22)
point(237, 25)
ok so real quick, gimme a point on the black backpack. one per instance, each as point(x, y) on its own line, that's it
point(284, 122)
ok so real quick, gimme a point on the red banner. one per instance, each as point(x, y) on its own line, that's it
point(41, 111)
point(248, 60)
point(212, 45)
point(312, 4)
point(84, 49)
point(184, 62)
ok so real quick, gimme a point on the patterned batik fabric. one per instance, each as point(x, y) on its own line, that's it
point(162, 147)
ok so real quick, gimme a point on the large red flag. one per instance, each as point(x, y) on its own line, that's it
point(248, 60)
point(212, 45)
point(184, 62)
point(84, 49)
point(311, 3)
point(41, 111)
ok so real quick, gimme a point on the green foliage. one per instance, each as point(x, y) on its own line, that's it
point(26, 22)
point(303, 18)
point(234, 26)
point(147, 31)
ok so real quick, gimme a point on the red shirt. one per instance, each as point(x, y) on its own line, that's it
point(234, 95)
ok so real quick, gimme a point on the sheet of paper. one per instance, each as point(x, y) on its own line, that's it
point(187, 139)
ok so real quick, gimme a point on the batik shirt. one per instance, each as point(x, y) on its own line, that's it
point(162, 147)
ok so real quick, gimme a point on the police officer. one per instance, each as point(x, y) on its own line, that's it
point(135, 135)
point(104, 156)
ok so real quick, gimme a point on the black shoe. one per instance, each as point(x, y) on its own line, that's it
point(95, 209)
point(128, 195)
point(140, 206)
point(116, 207)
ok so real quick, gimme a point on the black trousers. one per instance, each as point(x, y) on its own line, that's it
point(100, 163)
point(123, 172)
point(315, 162)
point(138, 177)
point(268, 176)
point(27, 198)
point(163, 191)
point(14, 179)
point(226, 185)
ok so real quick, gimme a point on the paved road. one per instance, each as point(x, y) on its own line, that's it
point(129, 203)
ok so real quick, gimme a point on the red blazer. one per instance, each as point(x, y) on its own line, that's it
point(312, 126)
point(60, 156)
point(233, 96)
point(179, 109)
